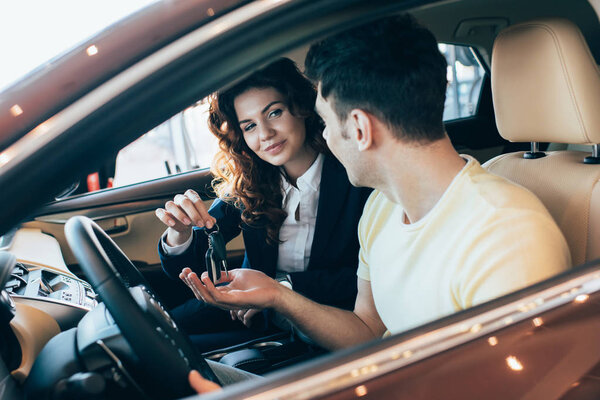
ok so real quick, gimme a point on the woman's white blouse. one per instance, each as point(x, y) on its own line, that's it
point(296, 236)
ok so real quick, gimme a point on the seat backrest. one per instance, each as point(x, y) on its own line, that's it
point(546, 88)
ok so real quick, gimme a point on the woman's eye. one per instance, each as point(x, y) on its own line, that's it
point(249, 127)
point(275, 113)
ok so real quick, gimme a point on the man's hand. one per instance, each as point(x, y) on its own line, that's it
point(246, 289)
point(201, 385)
point(330, 327)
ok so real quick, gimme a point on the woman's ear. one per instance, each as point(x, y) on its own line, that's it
point(362, 124)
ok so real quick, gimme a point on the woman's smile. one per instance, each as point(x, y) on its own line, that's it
point(276, 147)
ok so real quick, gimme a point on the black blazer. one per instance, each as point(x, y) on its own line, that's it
point(331, 274)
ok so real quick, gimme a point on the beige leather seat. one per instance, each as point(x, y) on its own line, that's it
point(546, 88)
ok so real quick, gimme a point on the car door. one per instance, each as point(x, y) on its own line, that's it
point(148, 173)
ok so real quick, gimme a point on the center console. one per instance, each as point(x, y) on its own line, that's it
point(266, 354)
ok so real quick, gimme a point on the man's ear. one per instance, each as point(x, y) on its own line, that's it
point(362, 127)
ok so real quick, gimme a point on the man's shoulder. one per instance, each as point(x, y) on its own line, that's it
point(499, 193)
point(377, 212)
point(499, 208)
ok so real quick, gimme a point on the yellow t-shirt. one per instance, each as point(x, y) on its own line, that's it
point(484, 238)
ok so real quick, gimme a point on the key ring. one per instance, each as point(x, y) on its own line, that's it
point(215, 228)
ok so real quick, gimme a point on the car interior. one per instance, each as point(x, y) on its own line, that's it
point(566, 183)
point(535, 122)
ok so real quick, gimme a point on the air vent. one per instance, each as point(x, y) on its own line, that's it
point(18, 280)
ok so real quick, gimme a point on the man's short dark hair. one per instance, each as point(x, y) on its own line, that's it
point(391, 68)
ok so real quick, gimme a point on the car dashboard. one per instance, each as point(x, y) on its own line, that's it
point(51, 290)
point(44, 296)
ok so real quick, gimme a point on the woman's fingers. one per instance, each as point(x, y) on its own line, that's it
point(240, 314)
point(199, 208)
point(177, 212)
point(193, 206)
point(188, 208)
point(184, 211)
point(247, 317)
point(244, 315)
point(170, 220)
point(161, 214)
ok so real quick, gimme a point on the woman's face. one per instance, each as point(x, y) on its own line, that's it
point(270, 130)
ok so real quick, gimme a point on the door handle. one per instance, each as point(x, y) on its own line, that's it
point(113, 225)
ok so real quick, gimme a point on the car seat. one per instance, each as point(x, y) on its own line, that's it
point(546, 88)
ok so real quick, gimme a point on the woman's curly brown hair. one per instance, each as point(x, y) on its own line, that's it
point(251, 184)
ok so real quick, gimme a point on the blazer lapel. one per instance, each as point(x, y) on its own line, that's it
point(333, 191)
point(270, 254)
point(262, 256)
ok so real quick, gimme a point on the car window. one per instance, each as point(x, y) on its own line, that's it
point(184, 142)
point(465, 76)
point(180, 144)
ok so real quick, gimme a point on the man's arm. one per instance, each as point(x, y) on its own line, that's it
point(330, 327)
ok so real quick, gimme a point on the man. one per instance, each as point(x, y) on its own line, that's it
point(439, 234)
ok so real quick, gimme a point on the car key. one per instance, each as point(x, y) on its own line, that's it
point(216, 255)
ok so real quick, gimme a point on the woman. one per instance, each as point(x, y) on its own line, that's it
point(277, 183)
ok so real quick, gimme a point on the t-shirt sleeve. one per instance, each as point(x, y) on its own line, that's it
point(363, 268)
point(524, 250)
point(364, 229)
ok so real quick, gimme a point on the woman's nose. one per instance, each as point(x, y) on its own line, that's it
point(266, 132)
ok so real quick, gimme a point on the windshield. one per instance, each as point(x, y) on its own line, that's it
point(34, 32)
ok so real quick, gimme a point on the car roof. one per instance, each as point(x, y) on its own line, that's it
point(62, 80)
point(477, 22)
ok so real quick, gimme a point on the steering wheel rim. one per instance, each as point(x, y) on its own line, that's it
point(165, 352)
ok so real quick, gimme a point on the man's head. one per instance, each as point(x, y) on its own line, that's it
point(390, 69)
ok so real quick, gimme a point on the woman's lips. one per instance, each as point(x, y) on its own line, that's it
point(275, 147)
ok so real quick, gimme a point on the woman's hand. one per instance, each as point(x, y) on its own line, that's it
point(246, 289)
point(245, 316)
point(181, 214)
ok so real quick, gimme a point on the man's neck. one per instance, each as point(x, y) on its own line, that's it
point(419, 175)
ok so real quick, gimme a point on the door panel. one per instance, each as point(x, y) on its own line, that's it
point(128, 214)
point(139, 239)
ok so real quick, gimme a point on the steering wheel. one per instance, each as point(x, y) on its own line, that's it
point(164, 351)
point(7, 305)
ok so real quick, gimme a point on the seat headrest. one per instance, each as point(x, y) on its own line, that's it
point(545, 84)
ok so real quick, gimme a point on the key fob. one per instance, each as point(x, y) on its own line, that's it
point(216, 256)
